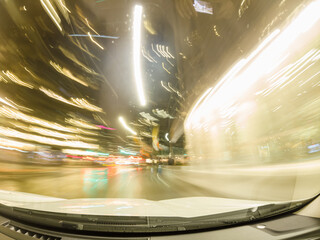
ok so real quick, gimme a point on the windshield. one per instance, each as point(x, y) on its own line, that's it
point(162, 108)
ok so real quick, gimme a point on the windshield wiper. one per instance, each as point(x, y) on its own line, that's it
point(145, 224)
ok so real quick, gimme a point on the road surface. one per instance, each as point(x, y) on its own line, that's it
point(95, 182)
point(269, 183)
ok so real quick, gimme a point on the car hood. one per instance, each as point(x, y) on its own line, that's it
point(179, 207)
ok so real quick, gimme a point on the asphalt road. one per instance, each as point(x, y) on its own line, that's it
point(273, 182)
point(95, 182)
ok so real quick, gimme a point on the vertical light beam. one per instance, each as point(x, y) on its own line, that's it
point(136, 52)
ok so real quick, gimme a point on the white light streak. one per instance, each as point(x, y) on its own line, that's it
point(80, 152)
point(126, 126)
point(165, 87)
point(136, 52)
point(169, 62)
point(310, 78)
point(53, 15)
point(305, 69)
point(166, 136)
point(165, 52)
point(149, 58)
point(167, 48)
point(160, 51)
point(155, 51)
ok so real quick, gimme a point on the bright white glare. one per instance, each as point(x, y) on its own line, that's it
point(266, 57)
point(197, 104)
point(79, 152)
point(166, 136)
point(260, 226)
point(136, 52)
point(126, 126)
point(264, 44)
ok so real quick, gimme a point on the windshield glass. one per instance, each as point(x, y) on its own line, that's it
point(171, 108)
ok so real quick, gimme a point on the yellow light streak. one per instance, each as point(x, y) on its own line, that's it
point(64, 6)
point(53, 15)
point(8, 132)
point(16, 144)
point(165, 68)
point(8, 112)
point(77, 102)
point(67, 73)
point(81, 123)
point(91, 27)
point(51, 133)
point(94, 41)
point(16, 80)
point(7, 103)
point(83, 103)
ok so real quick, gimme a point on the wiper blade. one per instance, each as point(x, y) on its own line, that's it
point(145, 224)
